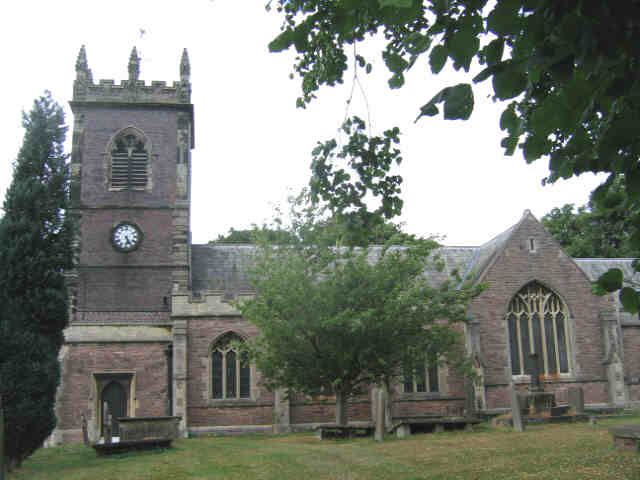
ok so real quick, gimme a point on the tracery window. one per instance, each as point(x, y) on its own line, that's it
point(230, 370)
point(538, 323)
point(129, 161)
point(423, 379)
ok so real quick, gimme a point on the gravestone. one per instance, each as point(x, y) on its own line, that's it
point(575, 397)
point(516, 412)
point(106, 417)
point(85, 433)
point(380, 415)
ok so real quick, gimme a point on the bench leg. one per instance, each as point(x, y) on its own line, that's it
point(439, 428)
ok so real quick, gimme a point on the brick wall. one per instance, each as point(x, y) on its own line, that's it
point(100, 125)
point(631, 345)
point(204, 411)
point(549, 265)
point(147, 361)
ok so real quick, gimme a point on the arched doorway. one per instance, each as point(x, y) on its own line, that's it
point(114, 395)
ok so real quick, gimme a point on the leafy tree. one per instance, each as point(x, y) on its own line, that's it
point(275, 235)
point(597, 229)
point(35, 251)
point(569, 69)
point(339, 318)
point(333, 230)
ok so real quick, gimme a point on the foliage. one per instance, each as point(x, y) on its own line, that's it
point(35, 251)
point(335, 230)
point(596, 230)
point(338, 318)
point(568, 67)
point(275, 235)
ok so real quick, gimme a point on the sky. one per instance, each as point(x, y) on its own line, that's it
point(253, 146)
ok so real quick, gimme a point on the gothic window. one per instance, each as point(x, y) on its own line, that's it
point(538, 324)
point(129, 161)
point(230, 370)
point(423, 379)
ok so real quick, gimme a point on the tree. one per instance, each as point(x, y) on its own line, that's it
point(337, 318)
point(569, 69)
point(35, 252)
point(597, 229)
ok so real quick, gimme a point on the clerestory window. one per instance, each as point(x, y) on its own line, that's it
point(538, 324)
point(129, 161)
point(230, 370)
point(423, 379)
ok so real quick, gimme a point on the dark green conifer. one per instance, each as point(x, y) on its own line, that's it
point(35, 253)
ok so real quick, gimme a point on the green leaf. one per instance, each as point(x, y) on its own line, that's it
point(438, 58)
point(632, 181)
point(282, 41)
point(504, 19)
point(396, 81)
point(535, 146)
point(458, 102)
point(395, 3)
point(611, 280)
point(630, 300)
point(430, 109)
point(486, 73)
point(509, 120)
point(493, 51)
point(509, 83)
point(394, 62)
point(463, 45)
point(509, 144)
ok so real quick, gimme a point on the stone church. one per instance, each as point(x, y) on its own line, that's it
point(152, 324)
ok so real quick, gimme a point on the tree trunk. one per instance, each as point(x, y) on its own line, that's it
point(341, 408)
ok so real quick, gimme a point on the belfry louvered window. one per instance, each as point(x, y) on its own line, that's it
point(129, 163)
point(230, 370)
point(538, 324)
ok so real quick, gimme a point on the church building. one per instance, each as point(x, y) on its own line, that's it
point(153, 326)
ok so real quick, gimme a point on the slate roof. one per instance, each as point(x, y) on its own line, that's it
point(224, 267)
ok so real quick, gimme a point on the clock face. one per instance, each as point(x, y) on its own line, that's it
point(126, 237)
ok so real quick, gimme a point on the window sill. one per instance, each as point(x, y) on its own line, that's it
point(424, 396)
point(557, 378)
point(234, 402)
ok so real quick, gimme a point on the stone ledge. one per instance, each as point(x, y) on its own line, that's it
point(116, 334)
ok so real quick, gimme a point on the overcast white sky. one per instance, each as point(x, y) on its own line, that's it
point(252, 145)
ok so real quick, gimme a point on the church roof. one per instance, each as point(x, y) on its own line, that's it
point(224, 267)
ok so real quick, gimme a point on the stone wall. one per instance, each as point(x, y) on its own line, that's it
point(515, 266)
point(204, 411)
point(146, 363)
point(631, 339)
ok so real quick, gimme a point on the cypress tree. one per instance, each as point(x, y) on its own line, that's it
point(36, 234)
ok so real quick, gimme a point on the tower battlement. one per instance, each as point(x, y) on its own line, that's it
point(132, 90)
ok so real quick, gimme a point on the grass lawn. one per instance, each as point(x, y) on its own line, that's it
point(569, 451)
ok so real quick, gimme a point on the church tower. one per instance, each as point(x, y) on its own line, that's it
point(130, 191)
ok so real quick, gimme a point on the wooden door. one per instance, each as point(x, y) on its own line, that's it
point(115, 396)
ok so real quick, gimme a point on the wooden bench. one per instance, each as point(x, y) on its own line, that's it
point(626, 437)
point(405, 426)
point(333, 430)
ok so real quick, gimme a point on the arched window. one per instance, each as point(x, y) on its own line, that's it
point(129, 161)
point(538, 324)
point(230, 370)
